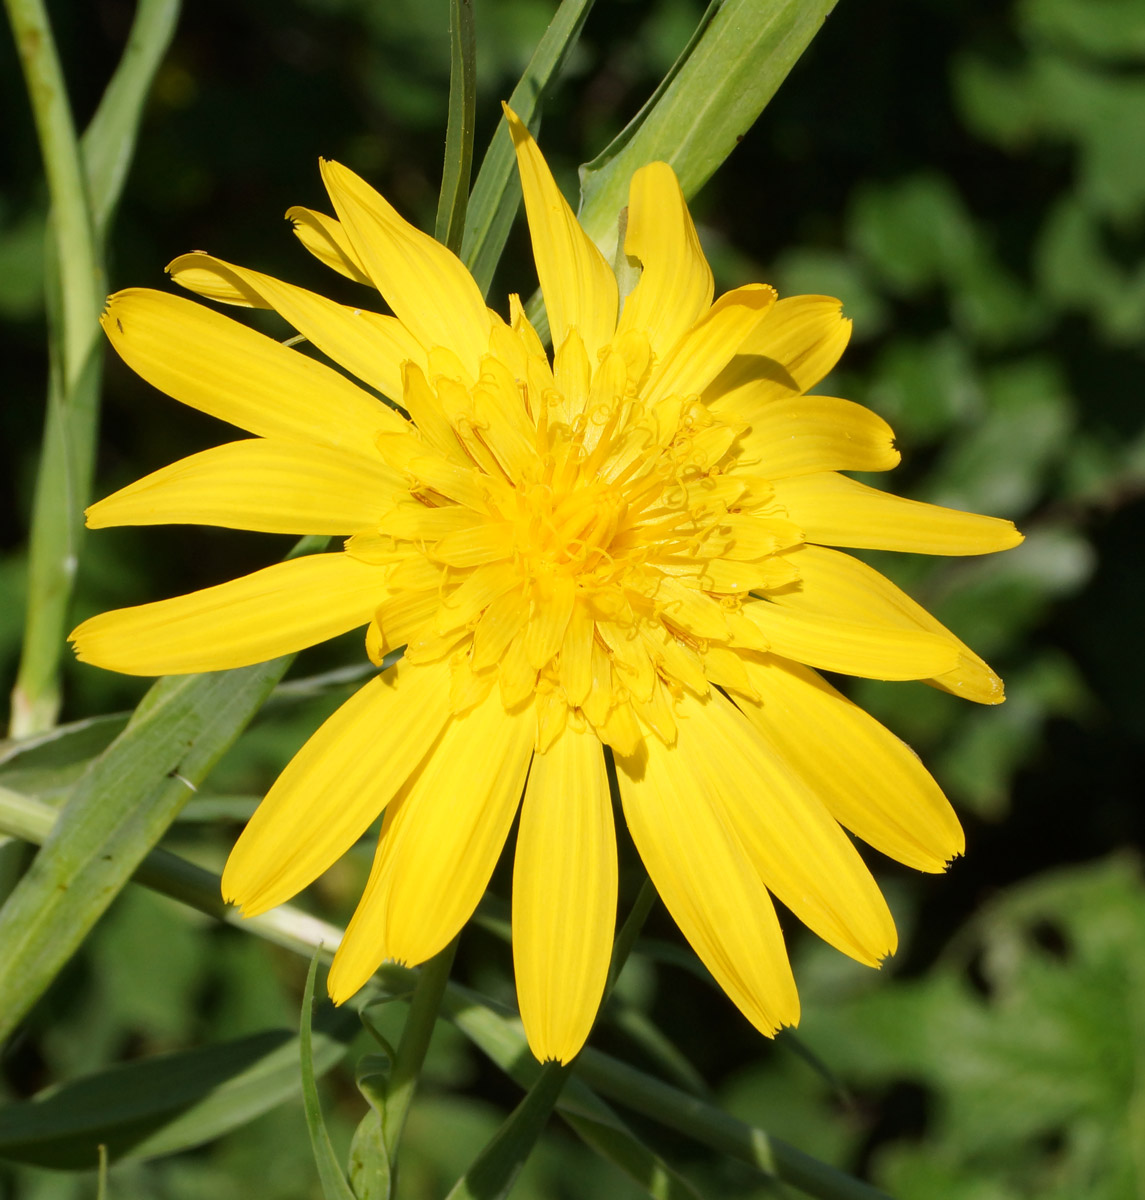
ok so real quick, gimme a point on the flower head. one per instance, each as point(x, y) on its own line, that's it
point(625, 546)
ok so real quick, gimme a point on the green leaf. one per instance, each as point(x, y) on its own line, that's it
point(710, 100)
point(1028, 1034)
point(495, 1170)
point(497, 192)
point(117, 813)
point(84, 182)
point(503, 1041)
point(705, 1123)
point(108, 143)
point(48, 764)
point(334, 1185)
point(454, 196)
point(371, 1174)
point(164, 1104)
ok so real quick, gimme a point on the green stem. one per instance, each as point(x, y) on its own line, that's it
point(694, 1118)
point(77, 289)
point(84, 185)
point(423, 1010)
point(77, 260)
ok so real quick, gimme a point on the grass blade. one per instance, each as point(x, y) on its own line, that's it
point(495, 1170)
point(334, 1185)
point(166, 1103)
point(454, 197)
point(497, 192)
point(108, 143)
point(711, 98)
point(84, 184)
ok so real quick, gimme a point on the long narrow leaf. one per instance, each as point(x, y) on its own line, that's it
point(495, 1170)
point(165, 1104)
point(334, 1185)
point(116, 814)
point(712, 99)
point(706, 1123)
point(108, 143)
point(503, 1041)
point(497, 192)
point(454, 197)
point(84, 183)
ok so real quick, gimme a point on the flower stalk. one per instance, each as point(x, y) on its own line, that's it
point(75, 294)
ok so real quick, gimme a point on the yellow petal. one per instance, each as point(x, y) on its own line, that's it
point(691, 610)
point(275, 611)
point(838, 511)
point(868, 779)
point(552, 610)
point(572, 373)
point(800, 852)
point(855, 648)
point(423, 405)
point(708, 882)
point(263, 484)
point(404, 617)
point(786, 355)
point(576, 655)
point(705, 349)
point(564, 895)
point(325, 238)
point(467, 602)
point(578, 285)
point(441, 840)
point(336, 785)
point(220, 367)
point(806, 434)
point(675, 286)
point(425, 284)
point(499, 624)
point(371, 346)
point(487, 542)
point(832, 582)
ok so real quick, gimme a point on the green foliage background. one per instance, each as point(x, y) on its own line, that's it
point(969, 177)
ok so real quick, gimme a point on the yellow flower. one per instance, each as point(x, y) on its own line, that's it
point(624, 547)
